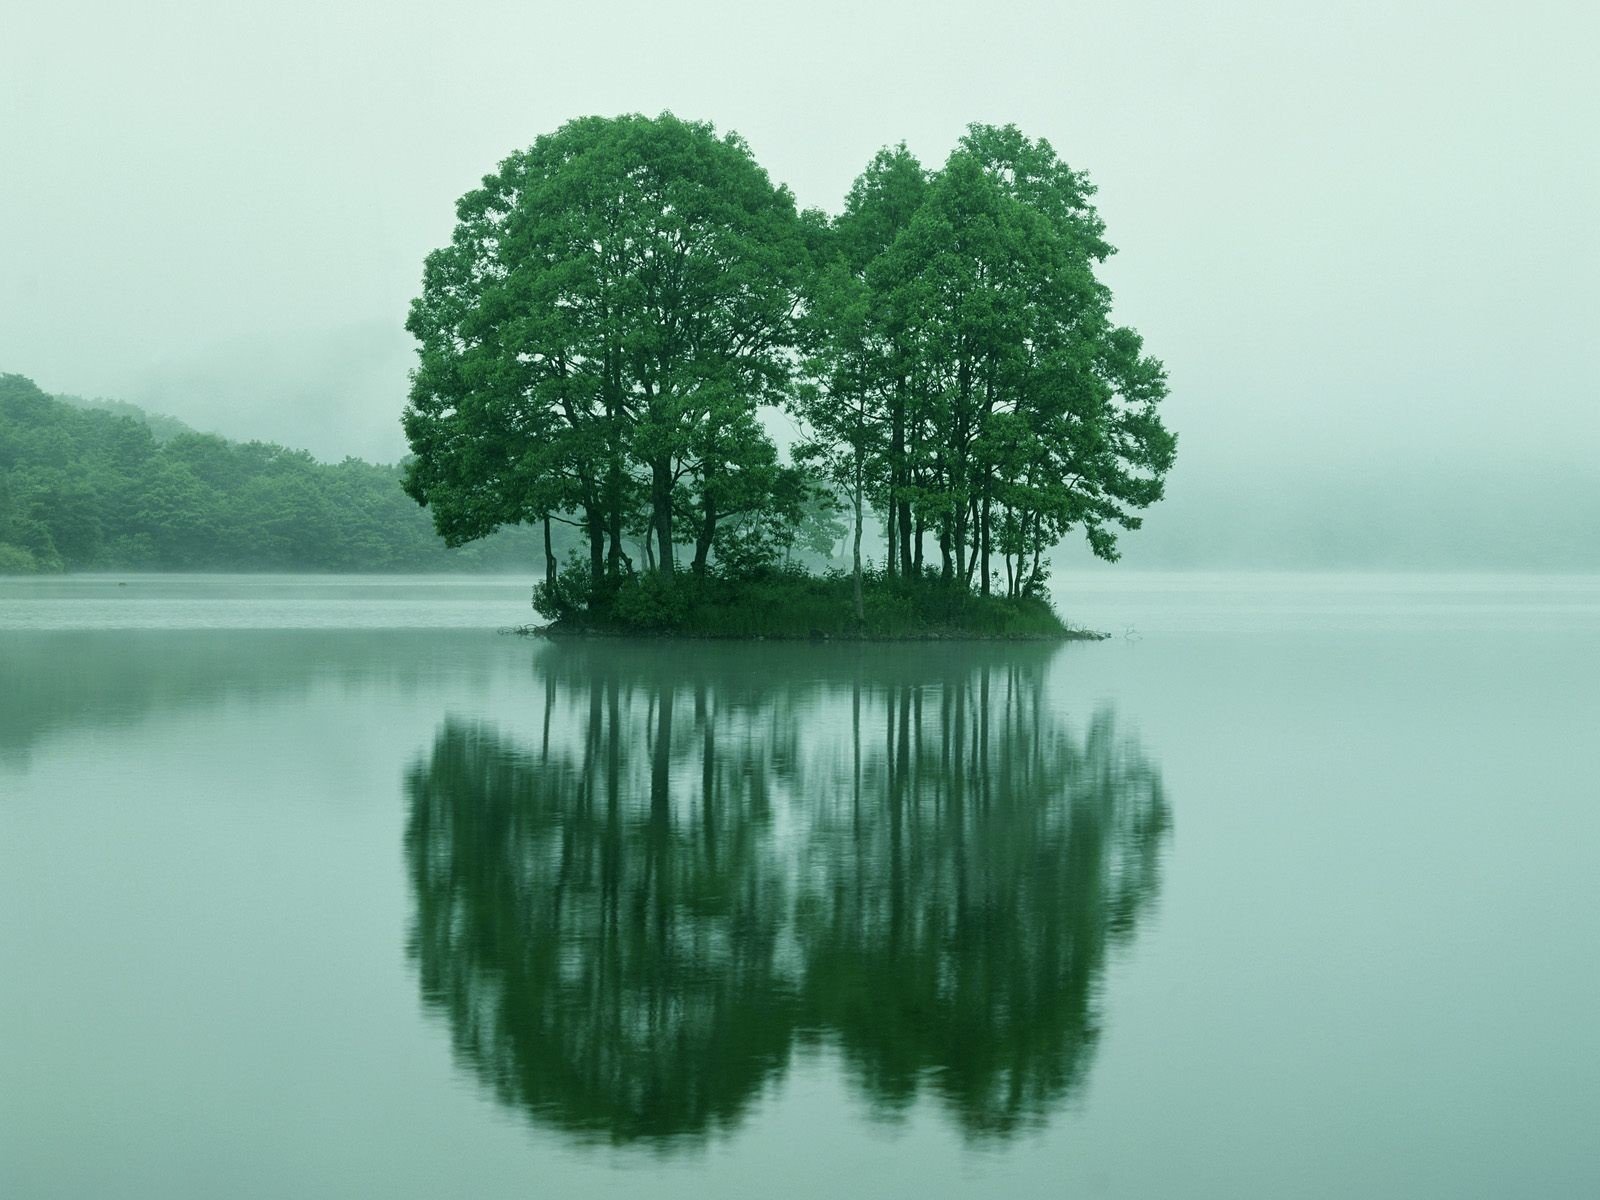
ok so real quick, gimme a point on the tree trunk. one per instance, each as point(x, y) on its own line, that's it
point(707, 535)
point(892, 565)
point(594, 525)
point(983, 534)
point(909, 564)
point(861, 610)
point(960, 479)
point(900, 499)
point(959, 539)
point(898, 562)
point(969, 553)
point(613, 516)
point(549, 554)
point(661, 511)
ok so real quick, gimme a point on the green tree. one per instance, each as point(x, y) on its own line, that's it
point(1038, 413)
point(881, 204)
point(615, 299)
point(839, 402)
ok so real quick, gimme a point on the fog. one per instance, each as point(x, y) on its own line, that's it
point(1361, 236)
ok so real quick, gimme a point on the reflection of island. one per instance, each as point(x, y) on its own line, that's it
point(631, 919)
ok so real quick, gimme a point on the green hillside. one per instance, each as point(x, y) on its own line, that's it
point(164, 428)
point(101, 486)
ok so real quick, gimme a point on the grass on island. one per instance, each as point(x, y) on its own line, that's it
point(792, 603)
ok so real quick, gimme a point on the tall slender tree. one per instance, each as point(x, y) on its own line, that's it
point(1041, 412)
point(881, 204)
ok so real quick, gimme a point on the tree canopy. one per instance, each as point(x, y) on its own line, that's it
point(626, 305)
point(595, 343)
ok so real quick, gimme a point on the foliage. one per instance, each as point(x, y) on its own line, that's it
point(655, 603)
point(622, 301)
point(966, 367)
point(84, 489)
point(14, 560)
point(564, 595)
point(790, 603)
point(595, 342)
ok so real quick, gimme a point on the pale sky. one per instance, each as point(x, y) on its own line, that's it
point(1361, 235)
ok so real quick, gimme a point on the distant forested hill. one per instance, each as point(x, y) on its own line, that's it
point(99, 486)
point(164, 428)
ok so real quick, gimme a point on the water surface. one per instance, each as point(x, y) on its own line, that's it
point(319, 887)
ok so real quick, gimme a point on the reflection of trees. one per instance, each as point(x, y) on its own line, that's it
point(630, 917)
point(608, 964)
point(957, 929)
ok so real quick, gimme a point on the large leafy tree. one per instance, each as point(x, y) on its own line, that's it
point(1074, 438)
point(612, 297)
point(967, 362)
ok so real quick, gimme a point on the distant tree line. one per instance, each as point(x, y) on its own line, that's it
point(85, 488)
point(626, 305)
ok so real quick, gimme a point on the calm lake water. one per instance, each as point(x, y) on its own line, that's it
point(318, 887)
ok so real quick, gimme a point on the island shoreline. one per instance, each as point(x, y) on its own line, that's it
point(554, 633)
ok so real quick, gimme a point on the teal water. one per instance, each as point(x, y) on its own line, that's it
point(318, 887)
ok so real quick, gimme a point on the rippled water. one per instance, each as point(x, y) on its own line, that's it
point(318, 887)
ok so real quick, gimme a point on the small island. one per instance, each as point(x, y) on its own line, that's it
point(793, 603)
point(636, 338)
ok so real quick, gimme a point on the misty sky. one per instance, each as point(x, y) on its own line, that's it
point(1362, 236)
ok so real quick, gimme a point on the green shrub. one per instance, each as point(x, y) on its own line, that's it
point(564, 597)
point(14, 560)
point(653, 602)
point(789, 602)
